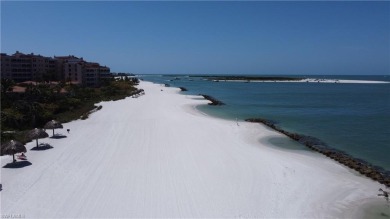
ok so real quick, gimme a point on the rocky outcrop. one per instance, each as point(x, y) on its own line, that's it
point(183, 89)
point(361, 166)
point(137, 93)
point(214, 101)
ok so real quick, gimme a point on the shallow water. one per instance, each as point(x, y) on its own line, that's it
point(354, 118)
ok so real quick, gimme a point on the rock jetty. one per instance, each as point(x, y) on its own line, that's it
point(361, 166)
point(214, 101)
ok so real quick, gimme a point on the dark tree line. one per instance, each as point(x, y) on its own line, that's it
point(65, 102)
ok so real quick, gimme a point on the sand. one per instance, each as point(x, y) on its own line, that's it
point(157, 156)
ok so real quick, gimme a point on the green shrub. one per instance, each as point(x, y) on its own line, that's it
point(84, 116)
point(23, 111)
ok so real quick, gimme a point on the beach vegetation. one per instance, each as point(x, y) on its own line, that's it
point(6, 84)
point(84, 116)
point(42, 102)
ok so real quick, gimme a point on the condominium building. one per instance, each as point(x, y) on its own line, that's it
point(72, 68)
point(77, 70)
point(29, 67)
point(95, 73)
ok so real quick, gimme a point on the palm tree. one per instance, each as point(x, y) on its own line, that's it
point(29, 110)
point(33, 109)
point(59, 86)
point(6, 84)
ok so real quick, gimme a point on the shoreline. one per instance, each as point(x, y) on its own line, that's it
point(157, 156)
point(376, 173)
point(308, 80)
point(363, 167)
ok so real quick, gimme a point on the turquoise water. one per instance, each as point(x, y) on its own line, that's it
point(354, 118)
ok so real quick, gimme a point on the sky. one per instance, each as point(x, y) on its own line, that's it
point(220, 37)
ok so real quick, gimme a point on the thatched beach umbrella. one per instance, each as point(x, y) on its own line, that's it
point(53, 124)
point(37, 133)
point(12, 147)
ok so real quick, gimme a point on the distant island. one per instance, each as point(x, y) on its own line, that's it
point(249, 78)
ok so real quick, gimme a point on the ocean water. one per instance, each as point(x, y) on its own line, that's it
point(354, 118)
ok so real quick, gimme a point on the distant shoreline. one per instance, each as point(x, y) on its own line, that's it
point(251, 78)
point(292, 80)
point(281, 78)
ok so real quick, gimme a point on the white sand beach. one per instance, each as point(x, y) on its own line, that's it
point(156, 156)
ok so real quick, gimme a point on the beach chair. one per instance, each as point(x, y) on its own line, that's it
point(22, 157)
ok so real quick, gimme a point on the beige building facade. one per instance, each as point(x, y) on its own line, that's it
point(27, 67)
point(71, 67)
point(21, 67)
